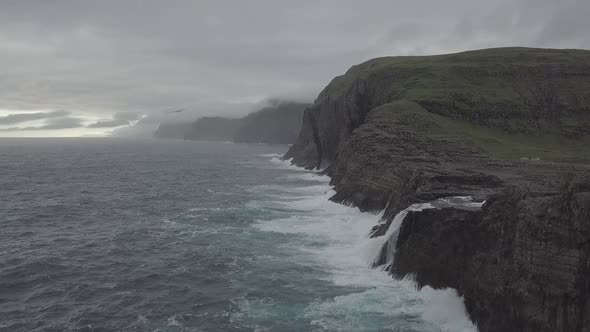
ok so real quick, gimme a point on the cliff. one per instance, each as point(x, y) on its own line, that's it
point(521, 263)
point(398, 130)
point(212, 129)
point(401, 130)
point(279, 124)
point(276, 124)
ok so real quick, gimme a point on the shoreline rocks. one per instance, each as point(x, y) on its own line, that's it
point(521, 263)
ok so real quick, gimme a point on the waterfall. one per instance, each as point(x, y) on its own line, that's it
point(386, 252)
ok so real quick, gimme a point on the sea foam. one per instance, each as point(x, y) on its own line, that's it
point(347, 253)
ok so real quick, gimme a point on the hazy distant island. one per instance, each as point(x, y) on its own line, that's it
point(508, 126)
point(278, 123)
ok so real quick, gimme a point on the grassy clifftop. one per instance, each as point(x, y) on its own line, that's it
point(512, 102)
point(475, 72)
point(548, 143)
point(486, 86)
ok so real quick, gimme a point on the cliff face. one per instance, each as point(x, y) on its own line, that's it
point(396, 131)
point(212, 129)
point(277, 124)
point(399, 148)
point(521, 263)
point(204, 129)
point(400, 130)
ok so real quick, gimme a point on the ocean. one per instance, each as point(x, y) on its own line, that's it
point(155, 235)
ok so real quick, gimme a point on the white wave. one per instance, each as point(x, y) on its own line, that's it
point(309, 176)
point(278, 162)
point(271, 155)
point(172, 321)
point(296, 172)
point(214, 209)
point(281, 190)
point(341, 245)
point(339, 242)
point(168, 221)
point(348, 253)
point(446, 308)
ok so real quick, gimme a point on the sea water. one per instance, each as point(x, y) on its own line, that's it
point(152, 235)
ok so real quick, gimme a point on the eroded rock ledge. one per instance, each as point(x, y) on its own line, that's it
point(522, 263)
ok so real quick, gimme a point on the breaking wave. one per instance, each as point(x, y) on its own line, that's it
point(336, 237)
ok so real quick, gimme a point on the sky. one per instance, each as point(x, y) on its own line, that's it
point(119, 68)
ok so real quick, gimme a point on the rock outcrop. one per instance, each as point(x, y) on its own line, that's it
point(502, 125)
point(522, 262)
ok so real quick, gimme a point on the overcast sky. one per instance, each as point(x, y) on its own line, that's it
point(75, 68)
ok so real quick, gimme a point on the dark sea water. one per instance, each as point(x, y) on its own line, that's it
point(123, 235)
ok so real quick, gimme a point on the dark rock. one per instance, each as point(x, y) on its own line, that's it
point(213, 129)
point(279, 124)
point(204, 129)
point(522, 262)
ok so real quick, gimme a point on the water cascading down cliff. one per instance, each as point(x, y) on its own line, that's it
point(508, 126)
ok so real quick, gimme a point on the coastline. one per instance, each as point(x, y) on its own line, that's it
point(393, 132)
point(350, 252)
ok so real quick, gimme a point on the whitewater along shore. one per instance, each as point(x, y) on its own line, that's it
point(508, 126)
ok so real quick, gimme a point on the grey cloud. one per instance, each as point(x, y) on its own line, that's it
point(566, 26)
point(109, 123)
point(63, 123)
point(25, 117)
point(119, 119)
point(144, 57)
point(126, 116)
point(52, 124)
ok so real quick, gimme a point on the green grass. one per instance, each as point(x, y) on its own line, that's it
point(504, 145)
point(501, 75)
point(497, 98)
point(546, 144)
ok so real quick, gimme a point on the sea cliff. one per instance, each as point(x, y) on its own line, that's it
point(278, 123)
point(521, 262)
point(509, 126)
